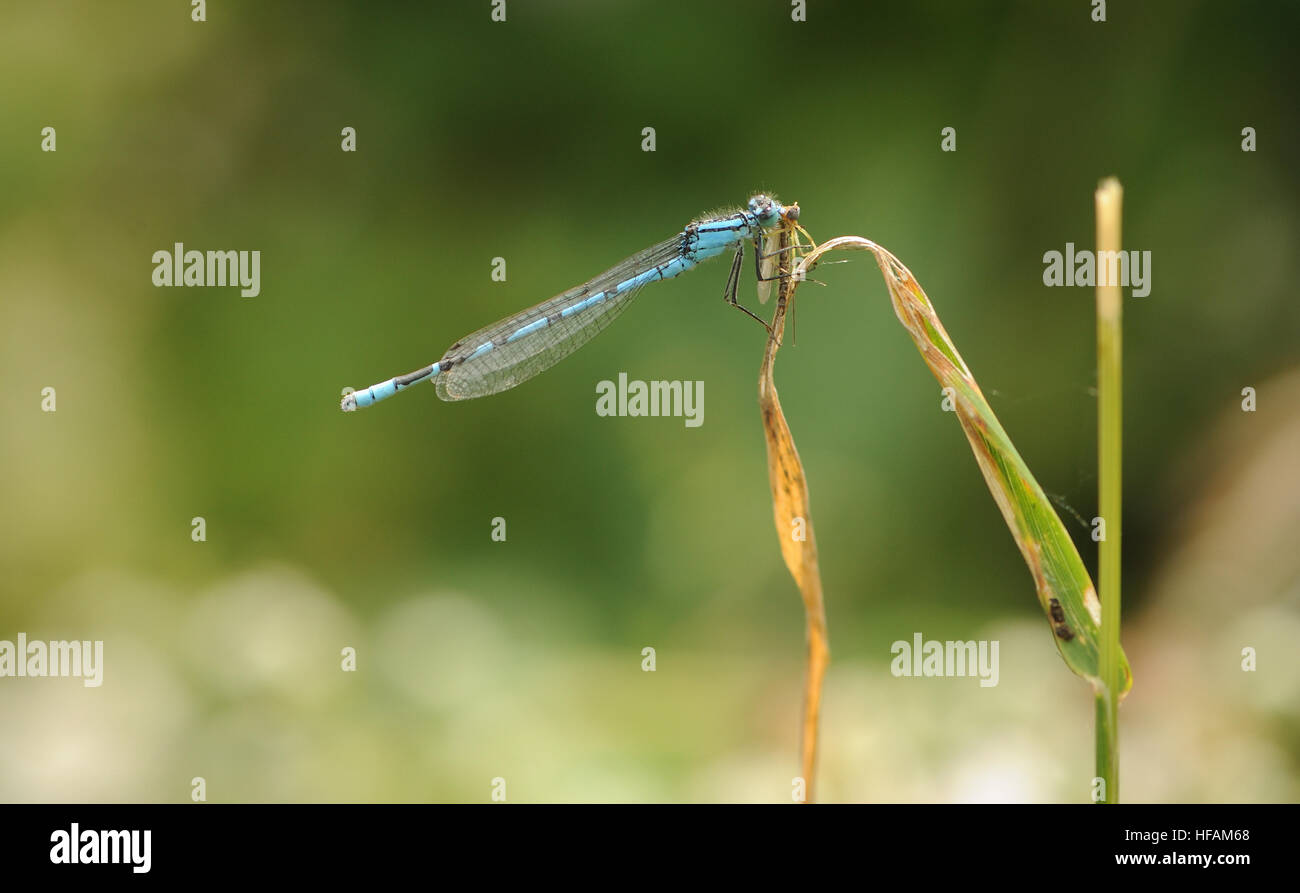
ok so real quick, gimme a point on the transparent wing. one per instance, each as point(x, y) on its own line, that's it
point(771, 257)
point(535, 339)
point(768, 266)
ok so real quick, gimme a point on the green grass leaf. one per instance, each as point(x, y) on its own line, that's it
point(1064, 590)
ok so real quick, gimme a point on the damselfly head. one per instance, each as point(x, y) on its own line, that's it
point(765, 209)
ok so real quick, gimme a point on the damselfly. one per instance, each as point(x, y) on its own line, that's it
point(511, 351)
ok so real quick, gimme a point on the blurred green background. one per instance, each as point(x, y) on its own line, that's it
point(522, 659)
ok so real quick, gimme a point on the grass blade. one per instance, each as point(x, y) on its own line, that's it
point(1065, 592)
point(1110, 422)
point(793, 516)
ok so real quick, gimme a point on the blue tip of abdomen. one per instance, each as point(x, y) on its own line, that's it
point(368, 396)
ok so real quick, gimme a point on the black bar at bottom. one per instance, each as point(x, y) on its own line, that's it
point(332, 843)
